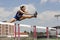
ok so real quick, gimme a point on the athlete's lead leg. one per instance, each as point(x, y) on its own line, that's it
point(12, 20)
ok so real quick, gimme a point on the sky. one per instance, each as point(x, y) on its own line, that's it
point(46, 9)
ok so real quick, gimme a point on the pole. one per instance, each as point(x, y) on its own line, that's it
point(56, 34)
point(18, 32)
point(35, 33)
point(15, 31)
point(47, 33)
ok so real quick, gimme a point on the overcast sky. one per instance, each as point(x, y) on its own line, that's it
point(46, 10)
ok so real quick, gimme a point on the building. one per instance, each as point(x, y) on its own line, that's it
point(8, 30)
point(58, 30)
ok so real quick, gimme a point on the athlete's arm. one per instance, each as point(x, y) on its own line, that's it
point(21, 11)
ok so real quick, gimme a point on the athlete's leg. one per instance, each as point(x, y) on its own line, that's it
point(12, 20)
point(26, 16)
point(29, 16)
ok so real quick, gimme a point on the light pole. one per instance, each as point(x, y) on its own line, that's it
point(57, 16)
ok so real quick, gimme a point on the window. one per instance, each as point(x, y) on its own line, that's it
point(0, 30)
point(6, 30)
point(0, 33)
point(0, 27)
point(6, 33)
point(6, 27)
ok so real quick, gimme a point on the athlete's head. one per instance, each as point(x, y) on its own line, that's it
point(23, 8)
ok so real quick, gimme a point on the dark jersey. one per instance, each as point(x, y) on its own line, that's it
point(18, 15)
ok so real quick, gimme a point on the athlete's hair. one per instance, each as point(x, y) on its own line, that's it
point(22, 7)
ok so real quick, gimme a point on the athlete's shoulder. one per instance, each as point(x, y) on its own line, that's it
point(18, 11)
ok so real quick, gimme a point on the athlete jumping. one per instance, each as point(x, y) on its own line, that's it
point(22, 14)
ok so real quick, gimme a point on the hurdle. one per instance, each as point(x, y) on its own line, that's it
point(56, 34)
point(47, 33)
point(28, 26)
point(34, 33)
point(18, 32)
point(15, 32)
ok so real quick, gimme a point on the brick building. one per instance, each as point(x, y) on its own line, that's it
point(8, 30)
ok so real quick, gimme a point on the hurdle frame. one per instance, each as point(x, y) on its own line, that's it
point(29, 27)
point(56, 34)
point(34, 33)
point(47, 33)
point(18, 32)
